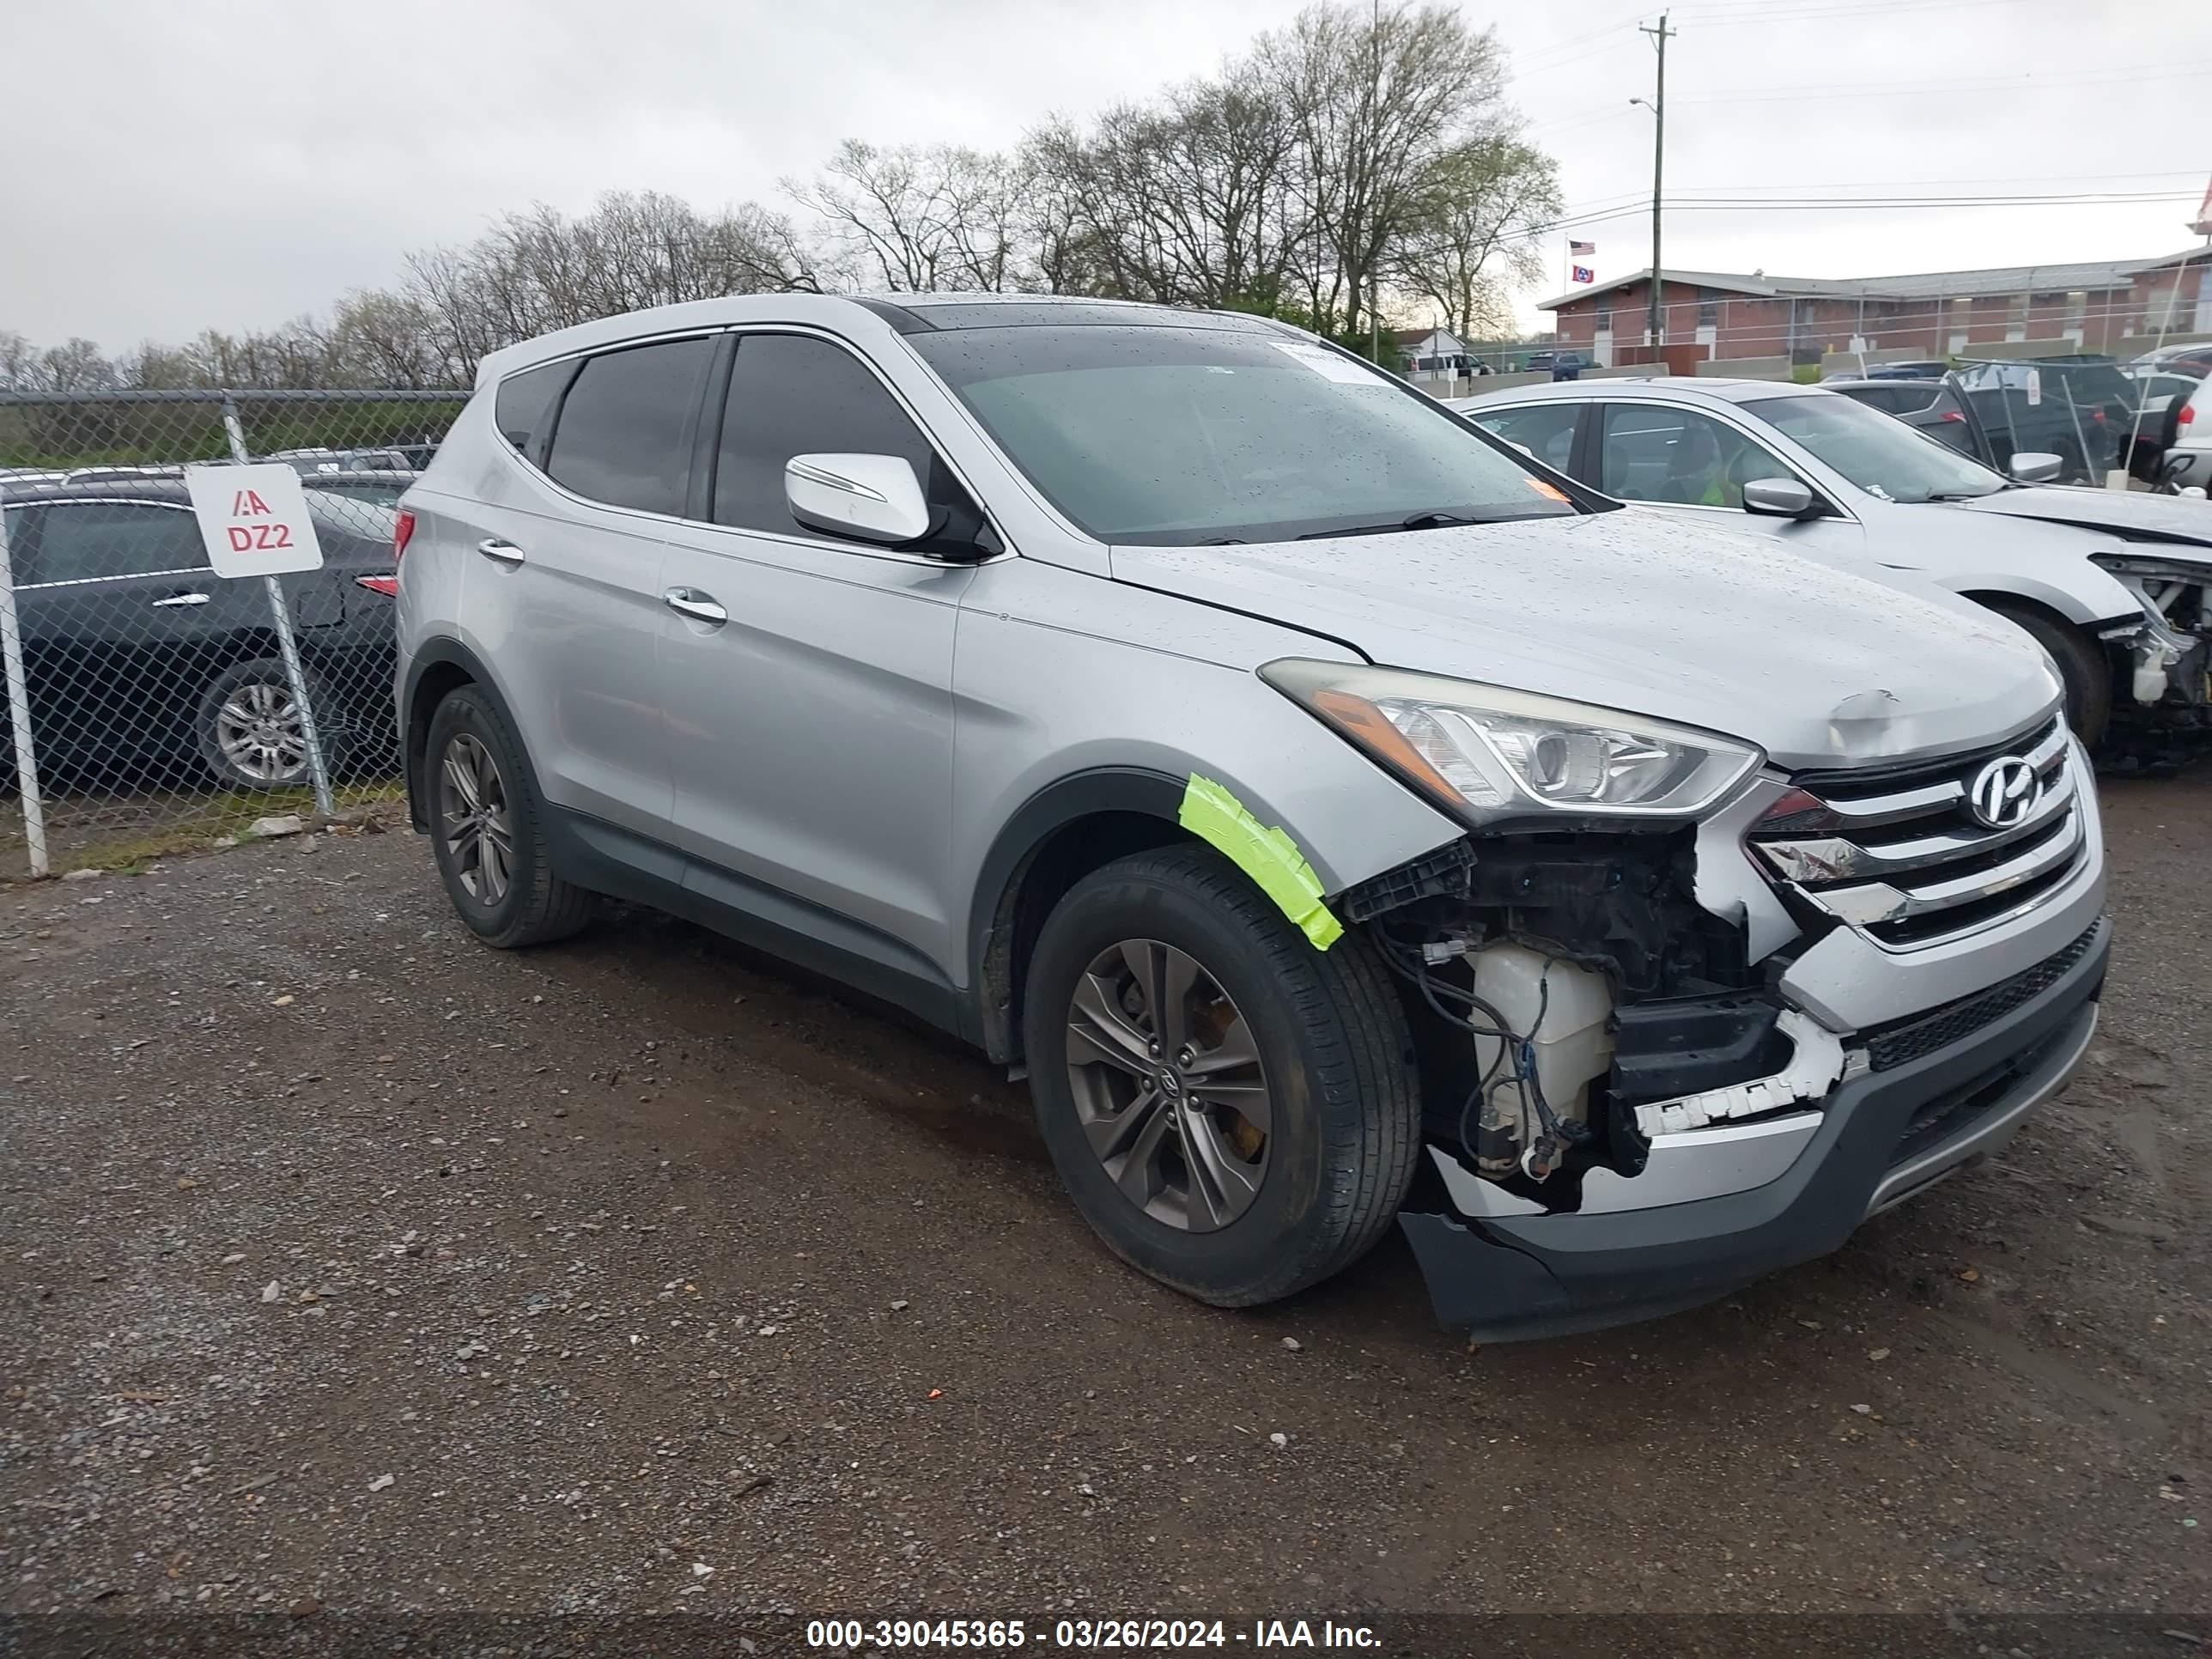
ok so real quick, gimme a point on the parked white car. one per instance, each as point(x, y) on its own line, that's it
point(1849, 485)
point(2188, 462)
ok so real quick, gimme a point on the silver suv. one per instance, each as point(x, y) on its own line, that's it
point(1338, 816)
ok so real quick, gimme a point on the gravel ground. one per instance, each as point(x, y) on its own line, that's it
point(351, 1266)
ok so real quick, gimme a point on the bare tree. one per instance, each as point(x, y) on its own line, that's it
point(1376, 99)
point(914, 219)
point(1474, 236)
point(149, 367)
point(1353, 149)
point(1184, 201)
point(535, 271)
point(76, 365)
point(389, 340)
point(17, 358)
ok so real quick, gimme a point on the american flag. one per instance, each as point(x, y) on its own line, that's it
point(1582, 250)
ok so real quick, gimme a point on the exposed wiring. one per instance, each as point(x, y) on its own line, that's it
point(1406, 960)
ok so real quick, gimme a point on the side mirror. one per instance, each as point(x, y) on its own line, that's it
point(872, 498)
point(2035, 465)
point(1778, 498)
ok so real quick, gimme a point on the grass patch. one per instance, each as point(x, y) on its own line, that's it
point(125, 833)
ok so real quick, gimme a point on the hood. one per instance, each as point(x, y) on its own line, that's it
point(2132, 516)
point(1639, 611)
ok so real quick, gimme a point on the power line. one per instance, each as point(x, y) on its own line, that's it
point(1601, 212)
point(1588, 44)
point(1785, 14)
point(1910, 204)
point(2032, 179)
point(2025, 82)
point(1586, 118)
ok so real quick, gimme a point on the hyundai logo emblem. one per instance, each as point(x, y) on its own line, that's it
point(2003, 793)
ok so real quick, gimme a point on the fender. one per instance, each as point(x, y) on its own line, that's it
point(987, 1013)
point(440, 651)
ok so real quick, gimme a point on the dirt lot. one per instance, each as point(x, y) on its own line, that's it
point(350, 1266)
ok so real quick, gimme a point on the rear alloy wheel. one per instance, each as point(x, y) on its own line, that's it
point(487, 828)
point(250, 729)
point(1236, 1113)
point(472, 818)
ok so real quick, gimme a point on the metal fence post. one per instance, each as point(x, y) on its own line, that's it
point(19, 707)
point(281, 613)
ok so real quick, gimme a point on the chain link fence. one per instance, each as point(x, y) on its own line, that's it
point(150, 705)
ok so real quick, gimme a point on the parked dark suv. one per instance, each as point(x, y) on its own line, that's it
point(2079, 408)
point(140, 660)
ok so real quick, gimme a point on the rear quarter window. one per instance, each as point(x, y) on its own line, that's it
point(524, 402)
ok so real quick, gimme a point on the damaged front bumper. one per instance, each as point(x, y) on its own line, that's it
point(2162, 663)
point(1722, 1204)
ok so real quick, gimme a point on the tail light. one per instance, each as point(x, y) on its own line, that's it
point(1953, 415)
point(2098, 415)
point(403, 532)
point(387, 586)
point(2188, 413)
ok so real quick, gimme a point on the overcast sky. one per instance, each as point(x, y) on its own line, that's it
point(231, 163)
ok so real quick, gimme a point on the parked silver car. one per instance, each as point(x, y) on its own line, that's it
point(2127, 626)
point(1340, 817)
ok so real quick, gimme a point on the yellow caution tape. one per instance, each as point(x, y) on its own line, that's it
point(1270, 857)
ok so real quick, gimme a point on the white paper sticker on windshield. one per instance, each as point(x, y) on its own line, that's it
point(1324, 362)
point(2035, 387)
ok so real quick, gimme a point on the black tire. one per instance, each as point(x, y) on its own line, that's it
point(1344, 1118)
point(257, 694)
point(2081, 668)
point(531, 905)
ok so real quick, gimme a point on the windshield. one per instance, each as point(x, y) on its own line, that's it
point(1878, 453)
point(1179, 436)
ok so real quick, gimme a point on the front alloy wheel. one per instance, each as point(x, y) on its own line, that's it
point(1168, 1086)
point(1236, 1113)
point(473, 819)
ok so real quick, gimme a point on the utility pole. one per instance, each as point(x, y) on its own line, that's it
point(1660, 36)
point(1374, 90)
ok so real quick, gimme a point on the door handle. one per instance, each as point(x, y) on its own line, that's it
point(177, 599)
point(691, 602)
point(500, 552)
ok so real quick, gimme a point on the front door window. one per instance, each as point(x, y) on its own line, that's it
point(1655, 452)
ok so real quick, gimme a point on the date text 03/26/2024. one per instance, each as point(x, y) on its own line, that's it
point(1007, 1634)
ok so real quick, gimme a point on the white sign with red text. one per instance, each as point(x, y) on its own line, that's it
point(253, 520)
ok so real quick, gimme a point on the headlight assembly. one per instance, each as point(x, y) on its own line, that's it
point(1486, 752)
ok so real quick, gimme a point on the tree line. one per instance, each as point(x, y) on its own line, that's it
point(1359, 163)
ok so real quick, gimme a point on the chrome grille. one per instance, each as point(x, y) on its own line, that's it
point(1901, 855)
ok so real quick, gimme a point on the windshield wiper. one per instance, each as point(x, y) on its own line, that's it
point(1428, 520)
point(1962, 495)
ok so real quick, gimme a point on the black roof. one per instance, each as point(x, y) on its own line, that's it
point(104, 489)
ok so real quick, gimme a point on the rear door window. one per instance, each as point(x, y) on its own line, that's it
point(1653, 453)
point(94, 541)
point(623, 434)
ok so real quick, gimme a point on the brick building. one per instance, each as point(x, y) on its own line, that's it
point(2093, 305)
